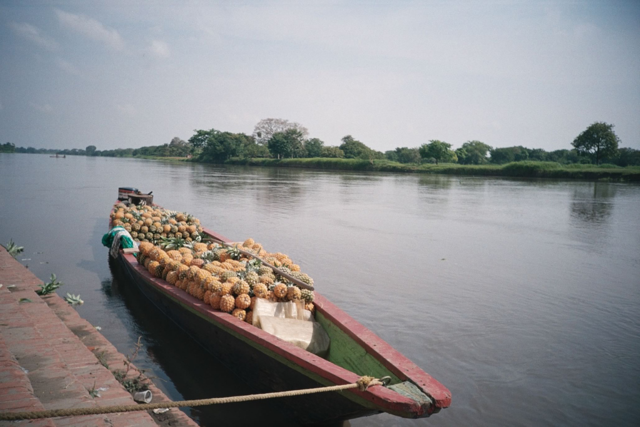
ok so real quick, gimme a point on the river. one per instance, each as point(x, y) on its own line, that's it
point(521, 296)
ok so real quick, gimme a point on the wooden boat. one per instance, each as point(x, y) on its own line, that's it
point(276, 365)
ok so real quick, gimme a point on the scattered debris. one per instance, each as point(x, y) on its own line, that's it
point(73, 299)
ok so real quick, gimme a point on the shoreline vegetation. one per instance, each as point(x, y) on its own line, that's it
point(595, 155)
point(525, 169)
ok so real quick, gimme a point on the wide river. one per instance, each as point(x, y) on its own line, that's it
point(521, 296)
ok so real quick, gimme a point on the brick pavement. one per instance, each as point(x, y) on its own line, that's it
point(49, 359)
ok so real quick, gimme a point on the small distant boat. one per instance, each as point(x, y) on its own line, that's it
point(59, 157)
point(272, 364)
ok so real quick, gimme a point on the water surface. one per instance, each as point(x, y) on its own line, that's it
point(521, 296)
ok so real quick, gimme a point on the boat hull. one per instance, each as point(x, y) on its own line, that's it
point(266, 370)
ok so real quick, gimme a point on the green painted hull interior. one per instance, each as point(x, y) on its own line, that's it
point(348, 354)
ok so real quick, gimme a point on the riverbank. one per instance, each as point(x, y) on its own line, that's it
point(53, 359)
point(526, 169)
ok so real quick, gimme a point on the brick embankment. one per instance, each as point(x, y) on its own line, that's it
point(51, 358)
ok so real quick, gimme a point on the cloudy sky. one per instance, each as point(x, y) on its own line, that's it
point(119, 74)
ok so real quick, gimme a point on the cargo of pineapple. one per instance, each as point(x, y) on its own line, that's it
point(230, 278)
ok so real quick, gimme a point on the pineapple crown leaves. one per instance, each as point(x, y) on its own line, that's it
point(13, 249)
point(173, 243)
point(73, 299)
point(234, 252)
point(49, 287)
point(253, 265)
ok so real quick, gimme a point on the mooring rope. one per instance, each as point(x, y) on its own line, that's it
point(362, 384)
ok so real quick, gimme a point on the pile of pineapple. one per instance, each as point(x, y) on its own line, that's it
point(228, 278)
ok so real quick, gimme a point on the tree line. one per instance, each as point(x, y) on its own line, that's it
point(280, 138)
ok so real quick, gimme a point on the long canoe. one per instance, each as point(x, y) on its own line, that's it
point(279, 366)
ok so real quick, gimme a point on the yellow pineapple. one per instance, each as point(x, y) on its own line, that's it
point(197, 262)
point(207, 297)
point(293, 293)
point(260, 290)
point(241, 287)
point(280, 290)
point(227, 303)
point(239, 313)
point(214, 301)
point(226, 288)
point(243, 301)
point(172, 277)
point(249, 318)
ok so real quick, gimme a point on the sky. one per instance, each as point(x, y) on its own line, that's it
point(126, 74)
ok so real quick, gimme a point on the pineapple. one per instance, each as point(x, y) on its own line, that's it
point(239, 313)
point(307, 295)
point(293, 293)
point(226, 288)
point(249, 318)
point(252, 278)
point(302, 277)
point(193, 270)
point(243, 301)
point(260, 290)
point(214, 301)
point(241, 287)
point(309, 306)
point(197, 262)
point(227, 303)
point(228, 274)
point(248, 243)
point(266, 280)
point(172, 277)
point(280, 290)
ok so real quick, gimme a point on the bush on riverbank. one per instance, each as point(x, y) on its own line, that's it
point(513, 169)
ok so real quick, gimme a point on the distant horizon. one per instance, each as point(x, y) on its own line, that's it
point(391, 74)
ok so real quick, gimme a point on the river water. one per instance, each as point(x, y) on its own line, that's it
point(521, 296)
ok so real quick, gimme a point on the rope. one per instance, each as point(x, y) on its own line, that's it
point(362, 384)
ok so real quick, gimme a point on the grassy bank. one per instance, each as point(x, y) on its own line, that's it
point(515, 169)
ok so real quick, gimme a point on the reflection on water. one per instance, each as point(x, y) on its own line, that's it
point(593, 202)
point(516, 294)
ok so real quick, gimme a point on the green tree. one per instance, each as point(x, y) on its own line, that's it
point(90, 150)
point(286, 144)
point(598, 141)
point(407, 155)
point(332, 152)
point(354, 149)
point(473, 153)
point(509, 154)
point(437, 150)
point(219, 146)
point(200, 138)
point(314, 147)
point(7, 148)
point(253, 150)
point(628, 157)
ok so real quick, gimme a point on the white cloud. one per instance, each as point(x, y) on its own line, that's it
point(34, 35)
point(91, 29)
point(126, 109)
point(160, 49)
point(43, 108)
point(67, 66)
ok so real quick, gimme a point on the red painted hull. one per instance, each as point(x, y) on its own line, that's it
point(289, 367)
